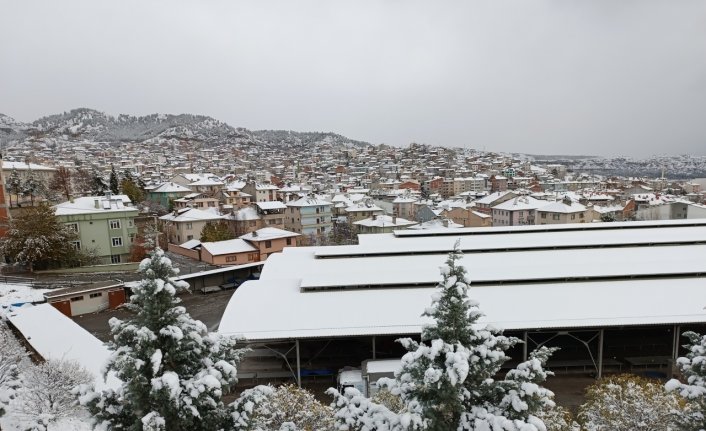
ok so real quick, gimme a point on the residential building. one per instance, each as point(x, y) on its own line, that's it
point(187, 223)
point(105, 225)
point(260, 192)
point(229, 252)
point(166, 193)
point(562, 212)
point(519, 211)
point(309, 216)
point(271, 240)
point(381, 223)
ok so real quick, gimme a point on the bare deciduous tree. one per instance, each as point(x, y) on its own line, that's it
point(46, 394)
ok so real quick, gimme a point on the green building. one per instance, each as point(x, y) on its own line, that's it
point(167, 192)
point(105, 225)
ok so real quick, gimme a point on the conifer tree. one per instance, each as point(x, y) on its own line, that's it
point(693, 369)
point(213, 232)
point(114, 187)
point(14, 185)
point(447, 382)
point(174, 372)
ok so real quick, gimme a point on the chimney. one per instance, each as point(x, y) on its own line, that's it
point(445, 222)
point(394, 218)
point(96, 203)
point(254, 234)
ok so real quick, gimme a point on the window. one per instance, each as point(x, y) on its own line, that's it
point(555, 216)
point(72, 226)
point(231, 258)
point(114, 224)
point(96, 295)
point(573, 216)
point(289, 241)
point(77, 298)
point(189, 237)
point(117, 241)
point(76, 244)
point(189, 225)
point(130, 223)
point(115, 258)
point(581, 215)
point(251, 257)
point(268, 244)
point(543, 215)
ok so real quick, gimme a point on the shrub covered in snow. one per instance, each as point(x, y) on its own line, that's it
point(47, 393)
point(285, 407)
point(12, 357)
point(448, 381)
point(174, 371)
point(558, 418)
point(693, 369)
point(628, 402)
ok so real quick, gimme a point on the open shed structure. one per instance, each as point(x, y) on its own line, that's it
point(612, 296)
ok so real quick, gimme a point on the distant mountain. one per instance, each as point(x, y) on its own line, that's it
point(89, 125)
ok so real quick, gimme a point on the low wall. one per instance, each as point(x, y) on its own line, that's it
point(116, 267)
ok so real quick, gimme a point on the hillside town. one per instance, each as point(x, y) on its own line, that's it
point(352, 216)
point(348, 223)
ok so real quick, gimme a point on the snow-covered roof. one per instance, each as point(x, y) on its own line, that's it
point(191, 244)
point(358, 207)
point(437, 224)
point(23, 166)
point(385, 221)
point(492, 197)
point(190, 215)
point(562, 207)
point(271, 205)
point(519, 203)
point(268, 233)
point(228, 247)
point(397, 311)
point(55, 336)
point(308, 202)
point(87, 205)
point(229, 268)
point(591, 279)
point(245, 214)
point(171, 188)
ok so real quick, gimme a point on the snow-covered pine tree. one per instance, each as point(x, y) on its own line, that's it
point(113, 181)
point(174, 371)
point(693, 369)
point(447, 382)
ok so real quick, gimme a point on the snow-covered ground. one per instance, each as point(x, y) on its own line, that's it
point(16, 293)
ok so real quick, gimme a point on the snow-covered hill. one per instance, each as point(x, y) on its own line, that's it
point(88, 125)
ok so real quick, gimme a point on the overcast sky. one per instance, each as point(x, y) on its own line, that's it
point(607, 77)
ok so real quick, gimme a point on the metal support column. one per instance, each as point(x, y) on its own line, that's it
point(374, 353)
point(675, 343)
point(600, 353)
point(524, 347)
point(299, 368)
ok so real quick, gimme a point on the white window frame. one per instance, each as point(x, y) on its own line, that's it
point(113, 242)
point(74, 226)
point(76, 244)
point(114, 224)
point(115, 259)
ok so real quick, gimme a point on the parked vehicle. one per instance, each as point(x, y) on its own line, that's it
point(365, 378)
